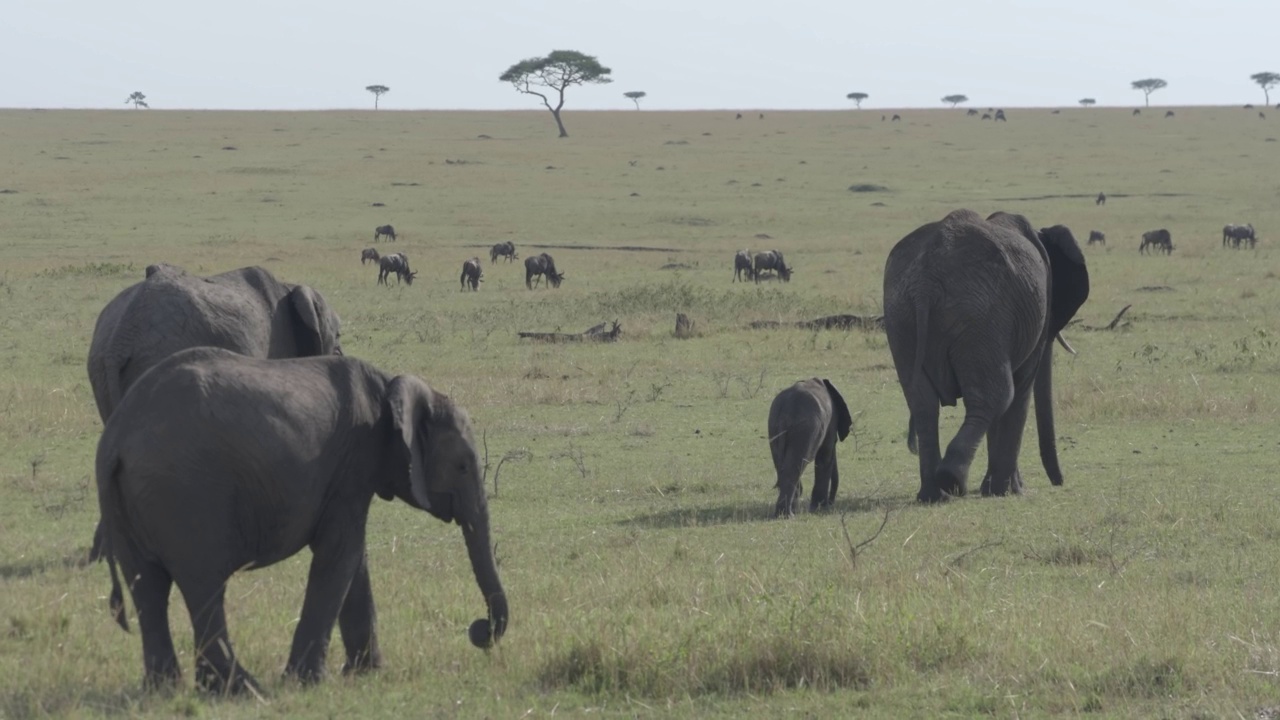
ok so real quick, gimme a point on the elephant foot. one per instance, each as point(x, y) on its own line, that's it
point(230, 681)
point(165, 678)
point(820, 506)
point(950, 481)
point(1002, 486)
point(362, 663)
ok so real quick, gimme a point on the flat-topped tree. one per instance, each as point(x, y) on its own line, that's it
point(1086, 102)
point(378, 91)
point(955, 99)
point(556, 72)
point(634, 96)
point(1266, 80)
point(857, 98)
point(138, 99)
point(1148, 86)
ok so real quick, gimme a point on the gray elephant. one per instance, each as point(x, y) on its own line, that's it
point(805, 421)
point(217, 462)
point(245, 310)
point(971, 308)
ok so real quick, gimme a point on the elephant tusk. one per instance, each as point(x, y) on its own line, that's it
point(1065, 345)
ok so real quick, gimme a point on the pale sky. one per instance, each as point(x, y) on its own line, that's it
point(686, 54)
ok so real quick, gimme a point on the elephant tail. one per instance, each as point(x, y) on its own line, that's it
point(111, 507)
point(917, 368)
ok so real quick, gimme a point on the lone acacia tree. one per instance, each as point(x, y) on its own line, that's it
point(857, 98)
point(557, 72)
point(1086, 102)
point(378, 91)
point(955, 99)
point(1148, 86)
point(1266, 80)
point(138, 99)
point(634, 96)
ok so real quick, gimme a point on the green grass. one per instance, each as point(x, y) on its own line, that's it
point(643, 576)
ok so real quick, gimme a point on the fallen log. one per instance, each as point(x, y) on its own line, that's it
point(592, 334)
point(830, 322)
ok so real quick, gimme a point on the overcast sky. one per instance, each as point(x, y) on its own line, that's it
point(686, 54)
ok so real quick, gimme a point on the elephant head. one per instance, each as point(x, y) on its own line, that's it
point(805, 422)
point(443, 476)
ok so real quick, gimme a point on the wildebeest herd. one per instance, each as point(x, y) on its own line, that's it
point(1160, 240)
point(536, 268)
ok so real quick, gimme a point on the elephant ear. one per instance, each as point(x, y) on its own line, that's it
point(408, 404)
point(1070, 286)
point(844, 421)
point(314, 325)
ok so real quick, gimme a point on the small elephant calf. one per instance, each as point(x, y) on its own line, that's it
point(805, 421)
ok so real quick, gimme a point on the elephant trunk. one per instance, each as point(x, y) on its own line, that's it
point(485, 632)
point(1044, 416)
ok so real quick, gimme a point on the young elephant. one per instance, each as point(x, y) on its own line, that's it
point(805, 421)
point(217, 462)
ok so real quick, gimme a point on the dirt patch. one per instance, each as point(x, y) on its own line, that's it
point(867, 187)
point(625, 248)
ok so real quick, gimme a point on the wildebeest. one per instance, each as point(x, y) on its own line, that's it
point(1262, 115)
point(986, 116)
point(1137, 111)
point(368, 254)
point(541, 266)
point(739, 116)
point(507, 249)
point(742, 265)
point(397, 263)
point(1236, 235)
point(971, 112)
point(1168, 113)
point(772, 260)
point(1000, 116)
point(1158, 240)
point(381, 230)
point(895, 118)
point(471, 274)
point(1102, 199)
point(1096, 236)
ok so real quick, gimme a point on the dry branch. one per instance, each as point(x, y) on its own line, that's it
point(829, 322)
point(596, 334)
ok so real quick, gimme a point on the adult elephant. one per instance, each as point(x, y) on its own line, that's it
point(246, 310)
point(217, 462)
point(971, 308)
point(805, 421)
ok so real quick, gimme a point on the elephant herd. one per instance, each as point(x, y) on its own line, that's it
point(237, 432)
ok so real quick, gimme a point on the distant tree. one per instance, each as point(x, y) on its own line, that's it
point(138, 99)
point(556, 72)
point(635, 96)
point(1266, 80)
point(1086, 102)
point(1148, 86)
point(378, 91)
point(955, 99)
point(858, 98)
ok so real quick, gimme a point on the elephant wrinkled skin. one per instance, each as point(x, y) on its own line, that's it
point(217, 462)
point(971, 308)
point(805, 421)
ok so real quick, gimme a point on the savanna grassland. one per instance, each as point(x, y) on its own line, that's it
point(630, 513)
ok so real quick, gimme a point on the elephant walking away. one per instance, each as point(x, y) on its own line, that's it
point(217, 462)
point(805, 421)
point(471, 274)
point(246, 310)
point(971, 307)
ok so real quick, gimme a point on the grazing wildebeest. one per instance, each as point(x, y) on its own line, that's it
point(368, 254)
point(503, 249)
point(986, 116)
point(1137, 111)
point(1158, 240)
point(1096, 236)
point(397, 263)
point(1262, 115)
point(895, 118)
point(471, 274)
point(1235, 235)
point(1248, 106)
point(381, 230)
point(1000, 116)
point(1102, 199)
point(971, 112)
point(1168, 113)
point(742, 264)
point(772, 260)
point(739, 117)
point(541, 266)
point(761, 116)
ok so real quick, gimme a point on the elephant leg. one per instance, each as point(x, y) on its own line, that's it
point(826, 480)
point(982, 407)
point(98, 550)
point(1004, 443)
point(150, 587)
point(336, 559)
point(924, 421)
point(217, 669)
point(358, 623)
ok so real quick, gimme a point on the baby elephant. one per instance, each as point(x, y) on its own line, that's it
point(805, 421)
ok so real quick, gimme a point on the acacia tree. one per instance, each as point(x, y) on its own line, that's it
point(138, 99)
point(635, 96)
point(557, 72)
point(378, 91)
point(1086, 102)
point(1148, 86)
point(955, 99)
point(1266, 80)
point(857, 98)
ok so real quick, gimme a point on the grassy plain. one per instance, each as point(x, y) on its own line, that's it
point(643, 576)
